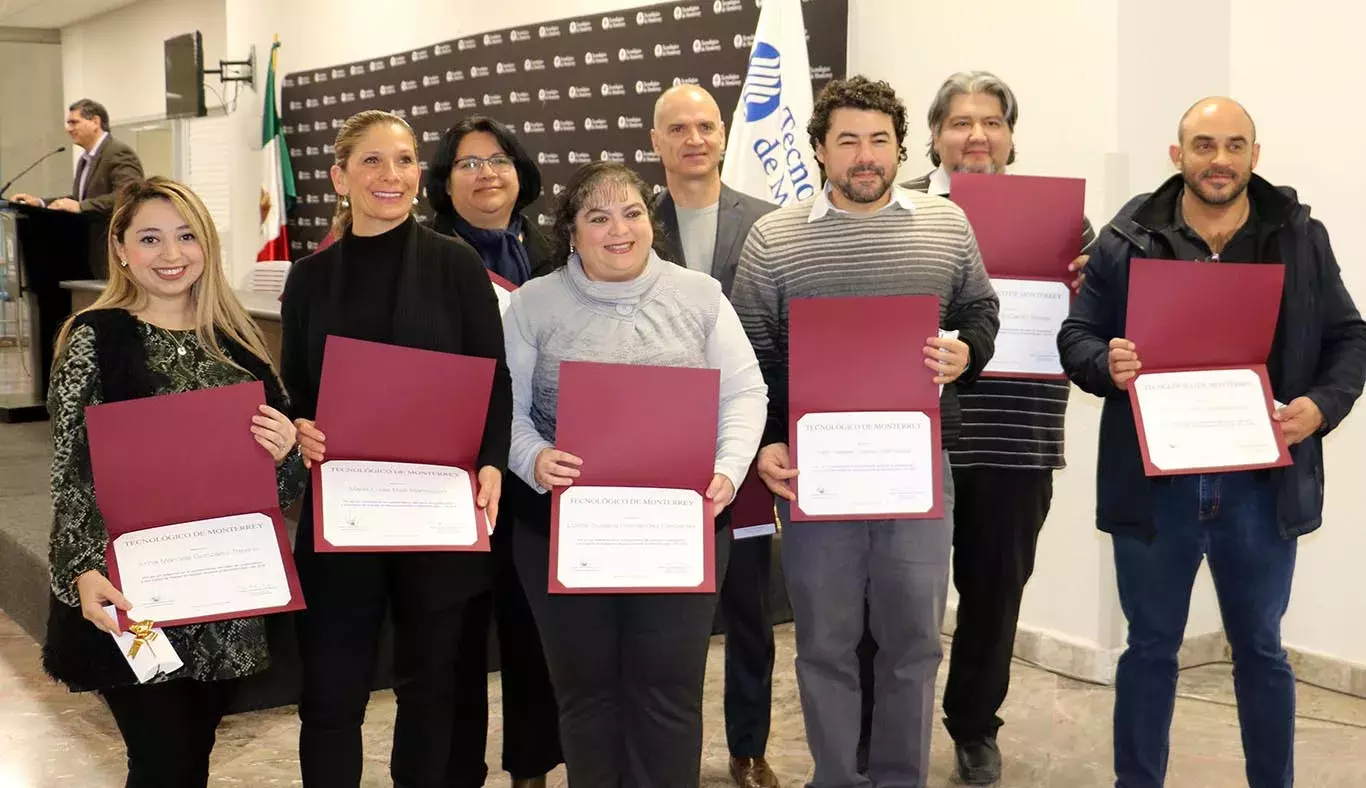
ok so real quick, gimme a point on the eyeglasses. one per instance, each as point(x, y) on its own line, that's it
point(470, 164)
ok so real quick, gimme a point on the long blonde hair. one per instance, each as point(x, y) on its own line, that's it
point(216, 309)
point(348, 137)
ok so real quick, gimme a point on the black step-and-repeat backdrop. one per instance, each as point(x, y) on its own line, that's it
point(575, 90)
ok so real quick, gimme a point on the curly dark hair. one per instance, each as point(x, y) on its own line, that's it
point(588, 179)
point(857, 92)
point(443, 161)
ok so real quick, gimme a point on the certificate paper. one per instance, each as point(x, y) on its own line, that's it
point(865, 463)
point(631, 537)
point(203, 568)
point(1208, 419)
point(397, 504)
point(1032, 312)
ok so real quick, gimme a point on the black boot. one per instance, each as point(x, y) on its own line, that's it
point(979, 762)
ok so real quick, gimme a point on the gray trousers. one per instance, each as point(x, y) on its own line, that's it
point(902, 568)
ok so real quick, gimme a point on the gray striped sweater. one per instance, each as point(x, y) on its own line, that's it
point(928, 251)
point(1011, 422)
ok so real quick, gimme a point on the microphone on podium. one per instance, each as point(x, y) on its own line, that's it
point(40, 160)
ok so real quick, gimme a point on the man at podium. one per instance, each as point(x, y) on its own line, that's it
point(105, 165)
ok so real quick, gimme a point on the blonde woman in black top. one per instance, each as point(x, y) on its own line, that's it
point(387, 279)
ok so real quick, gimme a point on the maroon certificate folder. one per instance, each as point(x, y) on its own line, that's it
point(636, 426)
point(753, 512)
point(1028, 229)
point(179, 459)
point(1027, 226)
point(1188, 316)
point(386, 403)
point(863, 356)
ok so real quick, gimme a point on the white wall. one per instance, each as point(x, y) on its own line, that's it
point(31, 120)
point(117, 58)
point(914, 46)
point(1305, 106)
point(1097, 102)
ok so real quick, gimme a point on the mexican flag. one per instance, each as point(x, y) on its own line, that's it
point(277, 176)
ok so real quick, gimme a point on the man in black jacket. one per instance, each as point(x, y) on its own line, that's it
point(1244, 522)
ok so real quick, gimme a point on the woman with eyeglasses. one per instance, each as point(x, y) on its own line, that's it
point(479, 182)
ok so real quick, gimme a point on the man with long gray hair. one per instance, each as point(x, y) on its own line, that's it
point(1003, 464)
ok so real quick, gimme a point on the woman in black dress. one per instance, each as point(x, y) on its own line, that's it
point(479, 184)
point(388, 279)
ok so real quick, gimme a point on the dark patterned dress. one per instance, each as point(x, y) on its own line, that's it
point(213, 651)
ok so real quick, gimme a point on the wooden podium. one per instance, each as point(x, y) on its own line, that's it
point(51, 246)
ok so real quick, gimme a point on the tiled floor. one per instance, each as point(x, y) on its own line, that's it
point(14, 370)
point(1058, 733)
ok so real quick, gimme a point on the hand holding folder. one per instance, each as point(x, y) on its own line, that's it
point(1202, 400)
point(636, 520)
point(404, 427)
point(190, 503)
point(863, 410)
point(1029, 231)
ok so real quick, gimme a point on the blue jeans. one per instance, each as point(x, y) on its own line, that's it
point(1231, 518)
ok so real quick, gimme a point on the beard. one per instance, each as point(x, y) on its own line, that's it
point(863, 192)
point(1195, 183)
point(990, 168)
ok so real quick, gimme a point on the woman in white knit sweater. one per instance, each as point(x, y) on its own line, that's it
point(627, 668)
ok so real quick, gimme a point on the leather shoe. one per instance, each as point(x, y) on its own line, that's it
point(534, 782)
point(752, 773)
point(979, 762)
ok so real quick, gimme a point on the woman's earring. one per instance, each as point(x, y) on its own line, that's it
point(123, 263)
point(572, 250)
point(414, 199)
point(346, 201)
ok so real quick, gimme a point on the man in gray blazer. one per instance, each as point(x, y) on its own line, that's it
point(707, 223)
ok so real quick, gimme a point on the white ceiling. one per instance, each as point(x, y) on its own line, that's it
point(54, 13)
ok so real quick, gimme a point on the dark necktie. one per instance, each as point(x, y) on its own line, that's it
point(79, 189)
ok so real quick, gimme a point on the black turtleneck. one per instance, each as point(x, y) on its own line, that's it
point(370, 266)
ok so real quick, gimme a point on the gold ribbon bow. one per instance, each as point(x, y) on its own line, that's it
point(143, 632)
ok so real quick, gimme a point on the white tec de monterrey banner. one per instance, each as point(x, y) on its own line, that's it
point(768, 155)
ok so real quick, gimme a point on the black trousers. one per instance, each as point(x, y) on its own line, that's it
point(747, 612)
point(998, 514)
point(348, 595)
point(628, 672)
point(169, 729)
point(531, 718)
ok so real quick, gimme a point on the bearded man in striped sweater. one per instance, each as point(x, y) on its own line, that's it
point(864, 236)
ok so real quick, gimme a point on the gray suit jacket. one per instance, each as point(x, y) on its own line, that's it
point(114, 165)
point(735, 216)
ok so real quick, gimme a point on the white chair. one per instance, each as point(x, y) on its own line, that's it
point(268, 277)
